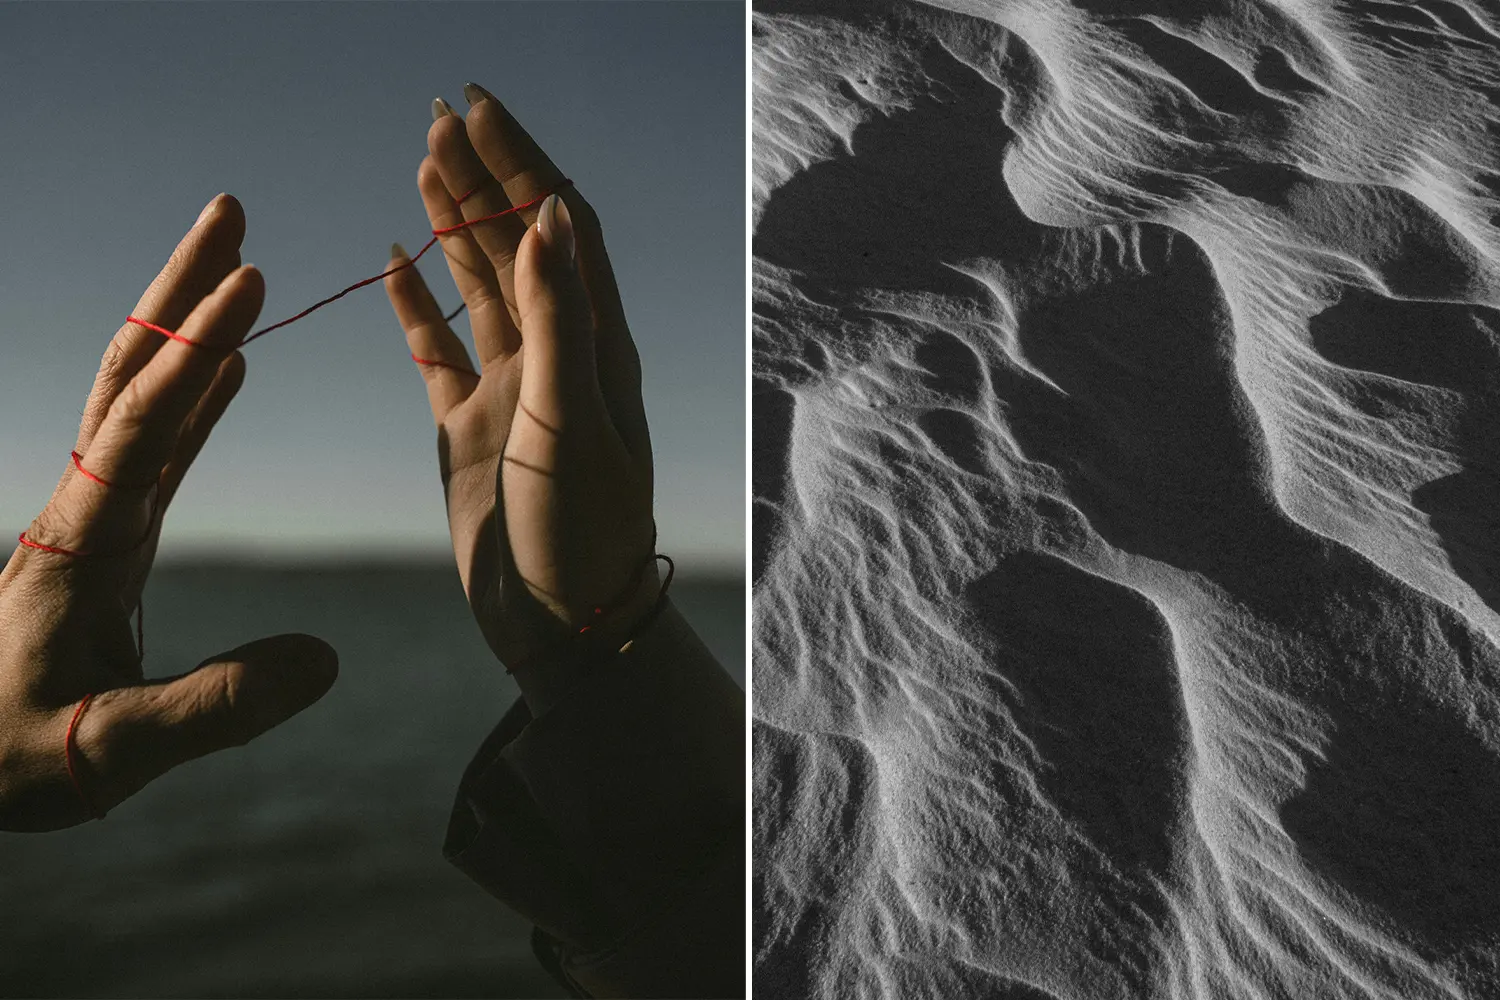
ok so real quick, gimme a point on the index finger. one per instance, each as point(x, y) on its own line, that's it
point(209, 252)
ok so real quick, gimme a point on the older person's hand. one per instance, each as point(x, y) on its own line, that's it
point(68, 591)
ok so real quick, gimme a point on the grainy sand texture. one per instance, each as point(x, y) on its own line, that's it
point(1127, 499)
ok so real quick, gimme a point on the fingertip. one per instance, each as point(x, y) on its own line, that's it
point(321, 661)
point(554, 226)
point(545, 257)
point(549, 290)
point(302, 667)
point(233, 372)
point(402, 279)
point(488, 113)
point(233, 307)
point(246, 279)
point(444, 134)
point(224, 218)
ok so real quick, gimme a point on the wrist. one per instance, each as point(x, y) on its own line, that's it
point(593, 639)
point(611, 626)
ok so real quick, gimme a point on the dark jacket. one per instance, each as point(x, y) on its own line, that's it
point(615, 823)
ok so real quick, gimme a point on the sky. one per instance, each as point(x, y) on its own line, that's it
point(121, 121)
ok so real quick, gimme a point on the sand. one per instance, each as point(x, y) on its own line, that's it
point(1127, 499)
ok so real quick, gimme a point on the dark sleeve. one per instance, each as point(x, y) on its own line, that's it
point(615, 823)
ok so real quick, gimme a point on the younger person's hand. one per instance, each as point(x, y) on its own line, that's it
point(66, 599)
point(543, 447)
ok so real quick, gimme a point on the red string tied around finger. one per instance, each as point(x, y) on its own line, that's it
point(140, 608)
point(70, 740)
point(70, 758)
point(437, 234)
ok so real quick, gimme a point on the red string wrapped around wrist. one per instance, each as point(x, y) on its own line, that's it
point(587, 641)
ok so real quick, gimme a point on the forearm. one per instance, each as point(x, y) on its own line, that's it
point(615, 820)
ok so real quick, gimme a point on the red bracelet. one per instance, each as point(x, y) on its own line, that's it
point(582, 644)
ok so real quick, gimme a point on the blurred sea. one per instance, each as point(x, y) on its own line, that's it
point(309, 862)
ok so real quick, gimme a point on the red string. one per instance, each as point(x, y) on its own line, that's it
point(437, 234)
point(55, 549)
point(163, 331)
point(70, 750)
point(78, 464)
point(140, 608)
point(70, 743)
point(635, 579)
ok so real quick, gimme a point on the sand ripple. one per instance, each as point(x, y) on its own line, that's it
point(1127, 499)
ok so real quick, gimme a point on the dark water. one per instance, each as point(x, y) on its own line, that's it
point(308, 863)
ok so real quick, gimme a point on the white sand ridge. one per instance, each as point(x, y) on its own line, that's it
point(1127, 519)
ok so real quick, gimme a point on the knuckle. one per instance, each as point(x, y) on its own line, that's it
point(485, 298)
point(226, 710)
point(56, 524)
point(112, 365)
point(132, 407)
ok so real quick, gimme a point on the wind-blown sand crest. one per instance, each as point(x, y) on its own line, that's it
point(1127, 499)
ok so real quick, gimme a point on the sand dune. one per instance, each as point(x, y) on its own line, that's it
point(1127, 499)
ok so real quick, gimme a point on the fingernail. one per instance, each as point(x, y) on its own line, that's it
point(398, 252)
point(441, 108)
point(474, 93)
point(555, 226)
point(208, 209)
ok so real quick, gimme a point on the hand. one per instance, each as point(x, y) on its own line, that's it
point(65, 619)
point(543, 448)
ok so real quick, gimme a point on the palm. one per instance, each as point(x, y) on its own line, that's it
point(534, 527)
point(471, 441)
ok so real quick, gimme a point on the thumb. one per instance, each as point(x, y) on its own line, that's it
point(559, 381)
point(131, 736)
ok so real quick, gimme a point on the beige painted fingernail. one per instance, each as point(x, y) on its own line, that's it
point(474, 93)
point(440, 108)
point(398, 252)
point(555, 226)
